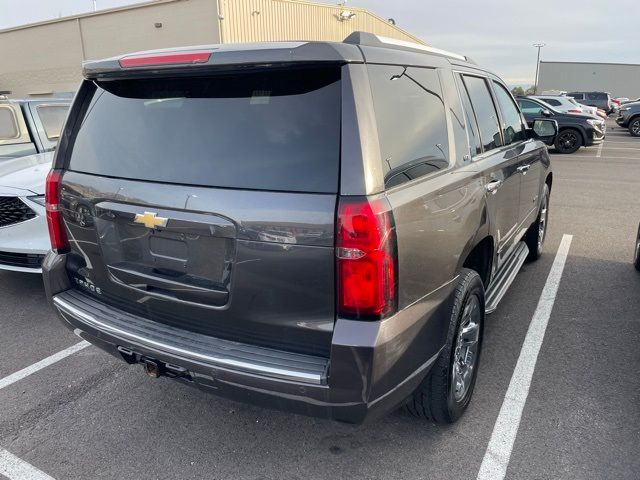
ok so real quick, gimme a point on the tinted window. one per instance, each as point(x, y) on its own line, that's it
point(597, 96)
point(52, 117)
point(485, 112)
point(475, 145)
point(8, 126)
point(529, 108)
point(512, 128)
point(577, 96)
point(551, 101)
point(411, 119)
point(276, 130)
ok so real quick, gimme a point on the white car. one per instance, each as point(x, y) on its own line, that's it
point(24, 238)
point(567, 104)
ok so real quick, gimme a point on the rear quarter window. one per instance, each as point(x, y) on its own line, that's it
point(411, 119)
point(265, 130)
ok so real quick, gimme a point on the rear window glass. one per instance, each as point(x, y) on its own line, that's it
point(8, 126)
point(276, 130)
point(52, 117)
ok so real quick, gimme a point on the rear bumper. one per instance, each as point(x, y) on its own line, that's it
point(372, 368)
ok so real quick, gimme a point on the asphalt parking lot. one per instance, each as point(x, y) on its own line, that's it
point(92, 416)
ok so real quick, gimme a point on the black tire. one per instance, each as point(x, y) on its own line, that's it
point(535, 236)
point(568, 141)
point(435, 398)
point(636, 253)
point(634, 127)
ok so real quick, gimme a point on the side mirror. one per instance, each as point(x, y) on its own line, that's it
point(546, 112)
point(545, 129)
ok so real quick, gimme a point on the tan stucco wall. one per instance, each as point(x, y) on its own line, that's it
point(47, 57)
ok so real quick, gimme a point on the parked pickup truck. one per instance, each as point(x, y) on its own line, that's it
point(30, 126)
point(313, 226)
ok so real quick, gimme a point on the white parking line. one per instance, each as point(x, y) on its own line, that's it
point(16, 469)
point(496, 458)
point(56, 357)
point(600, 150)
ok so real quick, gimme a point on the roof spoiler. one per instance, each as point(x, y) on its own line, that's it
point(372, 40)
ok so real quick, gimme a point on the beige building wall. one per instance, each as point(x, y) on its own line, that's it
point(46, 57)
point(184, 22)
point(265, 20)
point(42, 59)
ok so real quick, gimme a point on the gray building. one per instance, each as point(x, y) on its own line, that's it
point(619, 79)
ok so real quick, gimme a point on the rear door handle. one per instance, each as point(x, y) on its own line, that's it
point(524, 169)
point(493, 186)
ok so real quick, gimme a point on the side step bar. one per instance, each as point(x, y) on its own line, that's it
point(505, 277)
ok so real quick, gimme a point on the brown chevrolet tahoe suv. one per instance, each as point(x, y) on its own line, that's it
point(316, 227)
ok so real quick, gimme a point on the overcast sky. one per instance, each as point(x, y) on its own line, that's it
point(496, 34)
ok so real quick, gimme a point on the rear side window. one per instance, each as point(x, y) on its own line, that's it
point(597, 96)
point(475, 144)
point(551, 101)
point(577, 96)
point(512, 128)
point(266, 130)
point(485, 111)
point(529, 108)
point(8, 124)
point(52, 118)
point(411, 120)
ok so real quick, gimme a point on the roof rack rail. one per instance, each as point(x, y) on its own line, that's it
point(372, 40)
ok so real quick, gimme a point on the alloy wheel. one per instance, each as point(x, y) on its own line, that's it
point(466, 351)
point(568, 141)
point(542, 223)
point(635, 128)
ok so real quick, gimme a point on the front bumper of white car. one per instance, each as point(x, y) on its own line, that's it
point(24, 239)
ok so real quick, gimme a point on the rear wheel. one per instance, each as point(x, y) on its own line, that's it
point(535, 236)
point(445, 393)
point(568, 141)
point(634, 127)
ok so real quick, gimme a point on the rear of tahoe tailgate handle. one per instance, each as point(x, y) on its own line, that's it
point(183, 288)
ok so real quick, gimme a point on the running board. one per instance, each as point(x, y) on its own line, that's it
point(503, 279)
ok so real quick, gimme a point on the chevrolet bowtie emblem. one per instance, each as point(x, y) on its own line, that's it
point(150, 220)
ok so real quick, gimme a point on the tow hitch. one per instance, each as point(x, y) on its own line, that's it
point(154, 368)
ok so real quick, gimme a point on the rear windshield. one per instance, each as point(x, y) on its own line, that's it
point(275, 130)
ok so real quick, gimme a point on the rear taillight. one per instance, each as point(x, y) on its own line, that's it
point(575, 110)
point(57, 233)
point(366, 259)
point(165, 58)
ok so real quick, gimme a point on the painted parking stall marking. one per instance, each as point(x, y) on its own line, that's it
point(496, 459)
point(56, 357)
point(14, 468)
